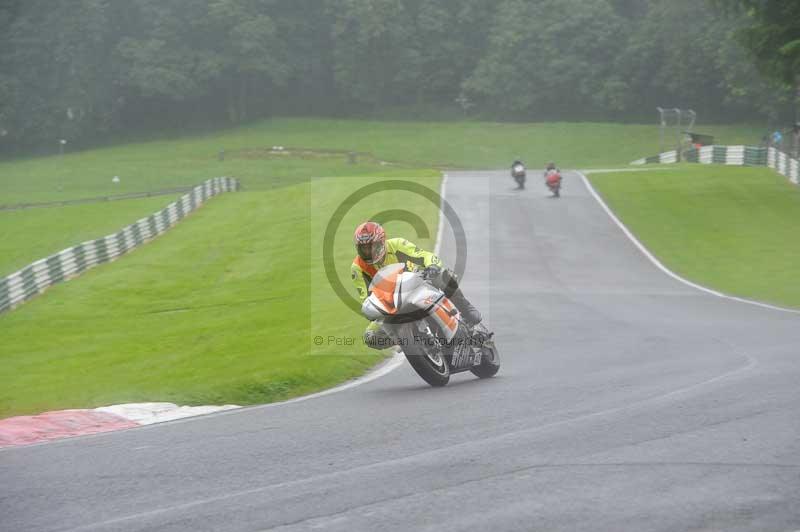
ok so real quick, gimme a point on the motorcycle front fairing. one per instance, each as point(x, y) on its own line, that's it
point(415, 313)
point(398, 297)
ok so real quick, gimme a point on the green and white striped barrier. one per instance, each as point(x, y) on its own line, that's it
point(734, 156)
point(661, 158)
point(33, 279)
point(784, 165)
point(731, 155)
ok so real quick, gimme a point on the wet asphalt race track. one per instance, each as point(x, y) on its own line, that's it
point(626, 401)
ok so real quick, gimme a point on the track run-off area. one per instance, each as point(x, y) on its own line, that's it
point(627, 400)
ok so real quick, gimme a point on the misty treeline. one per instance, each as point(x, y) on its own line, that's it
point(86, 69)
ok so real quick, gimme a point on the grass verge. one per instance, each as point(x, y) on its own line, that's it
point(31, 234)
point(222, 309)
point(187, 161)
point(731, 229)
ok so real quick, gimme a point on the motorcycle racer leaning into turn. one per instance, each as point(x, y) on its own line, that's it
point(375, 251)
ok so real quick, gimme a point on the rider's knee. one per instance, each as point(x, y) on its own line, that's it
point(377, 339)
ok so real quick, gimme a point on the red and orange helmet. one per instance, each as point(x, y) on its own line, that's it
point(370, 242)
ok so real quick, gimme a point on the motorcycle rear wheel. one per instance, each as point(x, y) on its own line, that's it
point(432, 367)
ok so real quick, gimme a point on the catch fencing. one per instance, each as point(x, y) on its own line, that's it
point(35, 278)
point(734, 156)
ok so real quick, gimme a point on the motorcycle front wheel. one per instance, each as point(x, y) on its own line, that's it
point(429, 364)
point(490, 363)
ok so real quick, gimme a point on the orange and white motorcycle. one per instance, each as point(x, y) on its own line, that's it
point(427, 327)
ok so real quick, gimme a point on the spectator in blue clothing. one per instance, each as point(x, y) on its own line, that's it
point(777, 139)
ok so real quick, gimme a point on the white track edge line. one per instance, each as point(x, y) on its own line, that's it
point(661, 266)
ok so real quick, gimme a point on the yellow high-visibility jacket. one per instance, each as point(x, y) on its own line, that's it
point(398, 250)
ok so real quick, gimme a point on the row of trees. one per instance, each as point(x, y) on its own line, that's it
point(86, 68)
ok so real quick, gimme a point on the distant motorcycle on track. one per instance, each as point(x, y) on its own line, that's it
point(519, 174)
point(552, 179)
point(427, 327)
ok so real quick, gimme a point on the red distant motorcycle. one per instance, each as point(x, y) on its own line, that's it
point(553, 181)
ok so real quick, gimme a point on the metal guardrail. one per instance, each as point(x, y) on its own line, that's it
point(35, 278)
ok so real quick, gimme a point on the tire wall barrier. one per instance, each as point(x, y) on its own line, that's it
point(735, 156)
point(784, 165)
point(33, 279)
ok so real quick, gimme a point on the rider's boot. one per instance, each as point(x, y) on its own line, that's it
point(471, 316)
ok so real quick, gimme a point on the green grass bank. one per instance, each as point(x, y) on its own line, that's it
point(221, 309)
point(731, 229)
point(189, 160)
